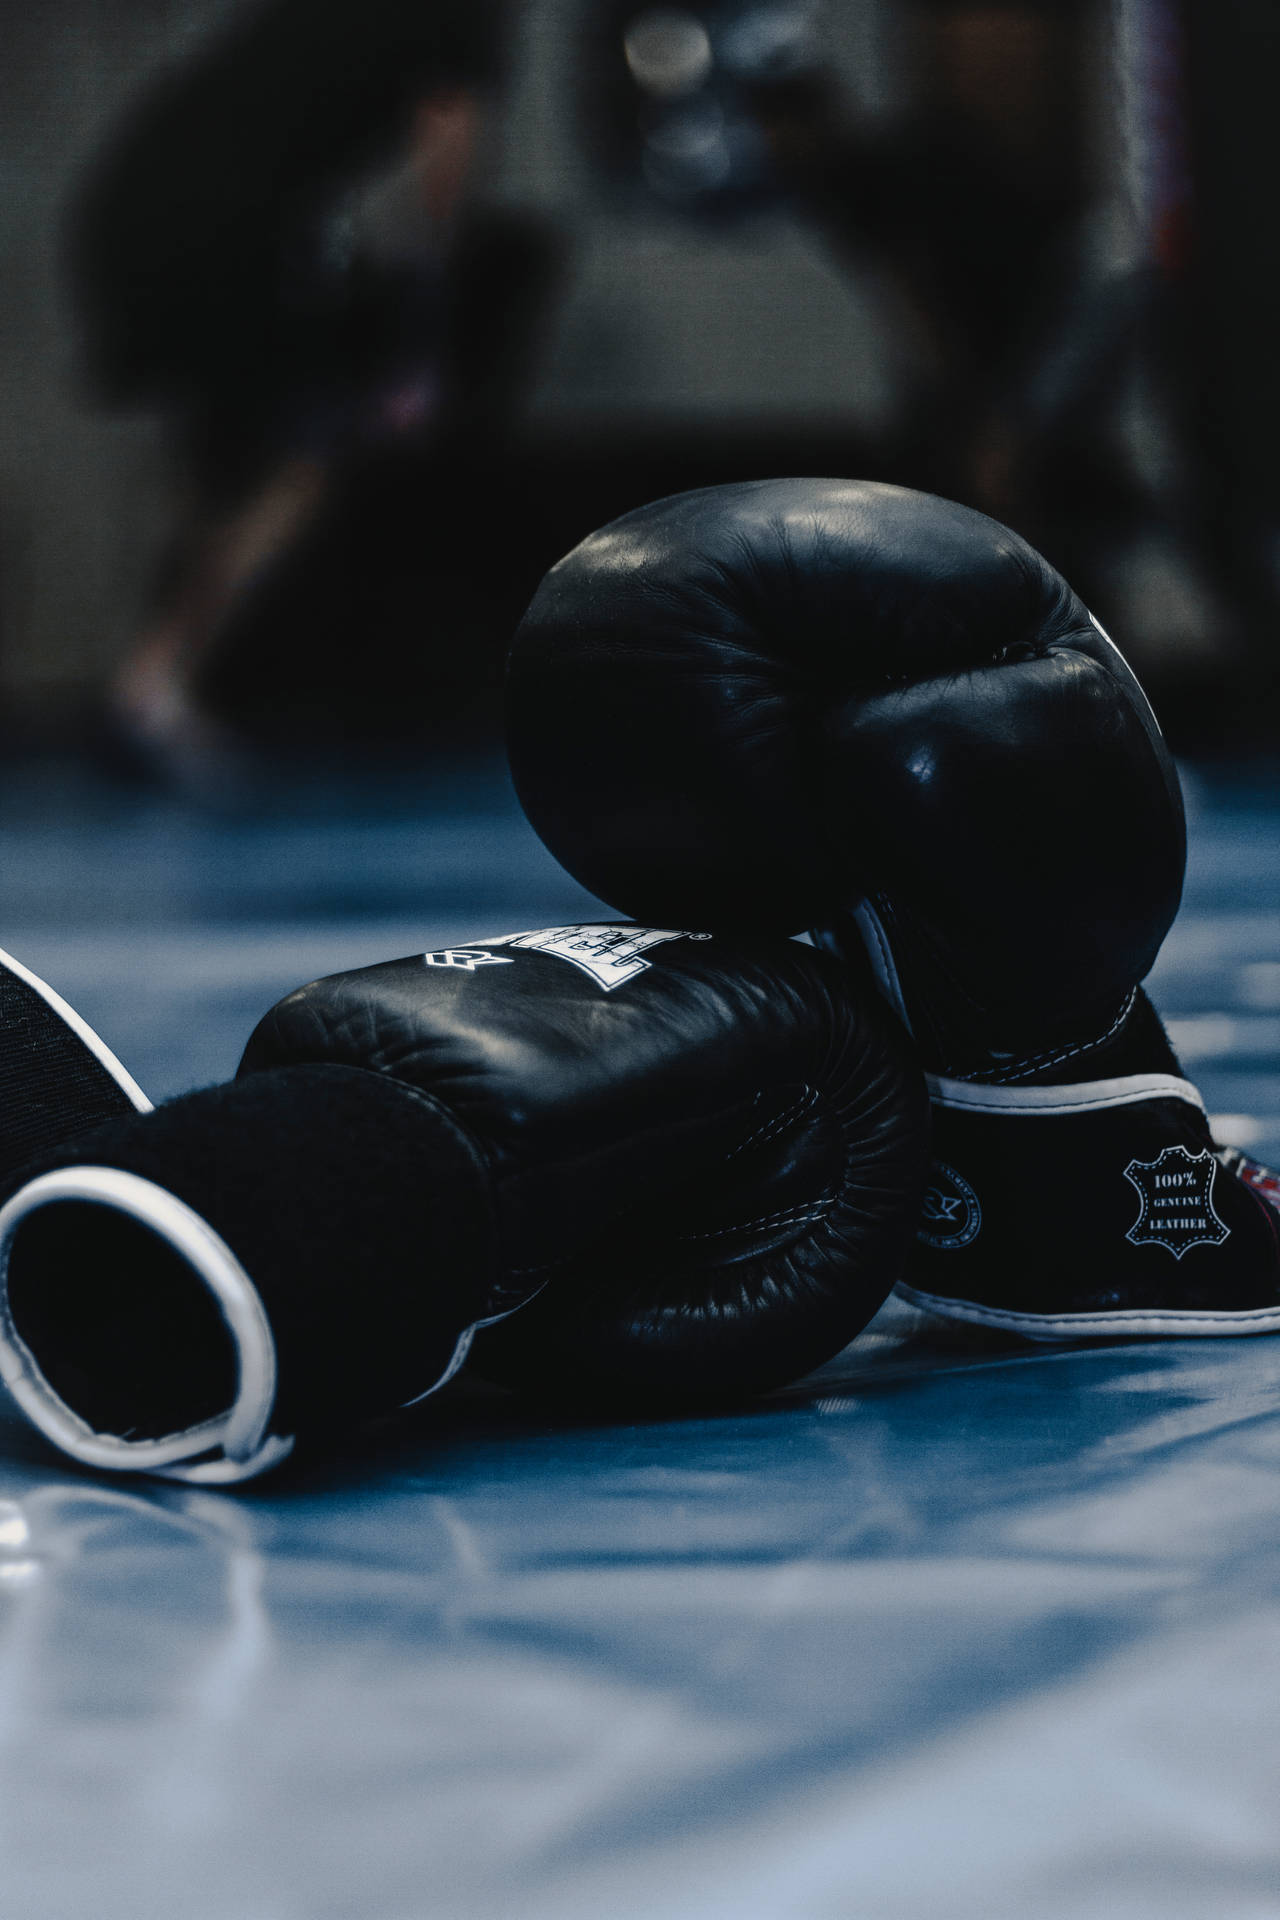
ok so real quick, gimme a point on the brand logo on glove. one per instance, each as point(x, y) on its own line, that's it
point(468, 958)
point(1177, 1211)
point(951, 1215)
point(609, 954)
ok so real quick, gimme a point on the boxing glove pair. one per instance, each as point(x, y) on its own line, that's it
point(882, 716)
point(628, 1162)
point(762, 707)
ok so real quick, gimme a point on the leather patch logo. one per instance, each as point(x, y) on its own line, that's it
point(468, 958)
point(611, 955)
point(951, 1215)
point(1176, 1195)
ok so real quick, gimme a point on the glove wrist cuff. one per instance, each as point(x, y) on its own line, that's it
point(231, 1446)
point(1100, 1209)
point(131, 1330)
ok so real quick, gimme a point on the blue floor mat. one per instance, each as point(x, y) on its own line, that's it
point(955, 1628)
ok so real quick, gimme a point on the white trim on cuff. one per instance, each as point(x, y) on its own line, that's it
point(238, 1439)
point(1086, 1096)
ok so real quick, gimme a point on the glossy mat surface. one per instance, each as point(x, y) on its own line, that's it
point(947, 1630)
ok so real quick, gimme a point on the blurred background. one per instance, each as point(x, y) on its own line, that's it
point(326, 329)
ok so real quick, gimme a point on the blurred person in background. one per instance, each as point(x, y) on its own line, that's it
point(270, 250)
point(279, 250)
point(974, 197)
point(1029, 199)
point(1228, 371)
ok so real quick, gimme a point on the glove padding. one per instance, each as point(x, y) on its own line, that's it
point(784, 698)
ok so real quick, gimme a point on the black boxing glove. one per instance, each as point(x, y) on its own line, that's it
point(881, 715)
point(694, 1165)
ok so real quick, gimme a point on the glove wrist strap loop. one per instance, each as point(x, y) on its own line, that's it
point(235, 1445)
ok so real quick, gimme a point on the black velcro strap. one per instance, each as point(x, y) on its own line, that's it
point(52, 1085)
